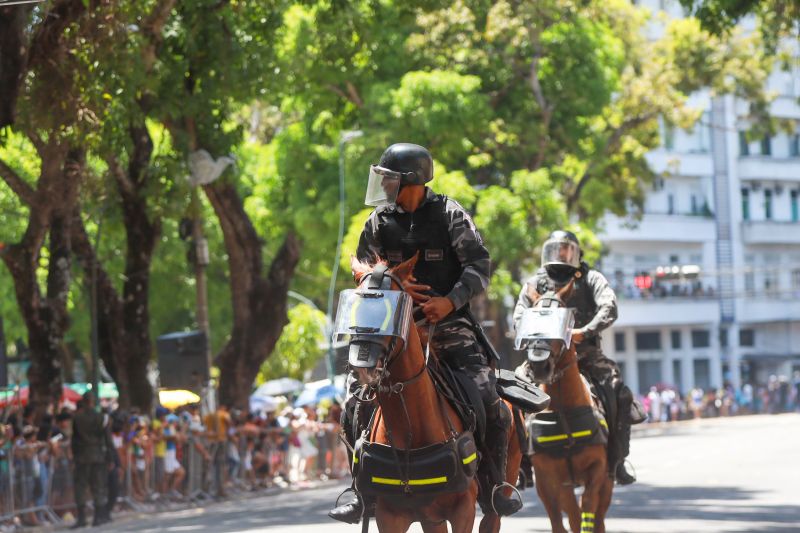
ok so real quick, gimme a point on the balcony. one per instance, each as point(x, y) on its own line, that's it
point(764, 168)
point(763, 309)
point(661, 227)
point(681, 163)
point(667, 312)
point(770, 232)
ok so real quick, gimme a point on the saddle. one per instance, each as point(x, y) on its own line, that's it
point(559, 433)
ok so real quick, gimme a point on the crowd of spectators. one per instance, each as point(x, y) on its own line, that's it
point(779, 395)
point(168, 457)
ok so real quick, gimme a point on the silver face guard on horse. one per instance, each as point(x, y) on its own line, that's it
point(546, 332)
point(376, 322)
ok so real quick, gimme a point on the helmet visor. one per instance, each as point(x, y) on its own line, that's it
point(383, 186)
point(561, 252)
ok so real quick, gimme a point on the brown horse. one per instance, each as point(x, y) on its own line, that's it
point(418, 411)
point(558, 474)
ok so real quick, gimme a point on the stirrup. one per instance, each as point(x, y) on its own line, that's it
point(629, 469)
point(345, 491)
point(500, 486)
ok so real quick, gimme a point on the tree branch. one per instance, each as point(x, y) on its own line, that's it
point(351, 95)
point(611, 145)
point(24, 192)
point(546, 107)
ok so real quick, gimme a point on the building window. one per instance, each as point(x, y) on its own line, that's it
point(794, 145)
point(675, 336)
point(796, 279)
point(766, 145)
point(649, 374)
point(723, 337)
point(744, 146)
point(770, 281)
point(768, 204)
point(702, 373)
point(745, 204)
point(749, 281)
point(669, 137)
point(795, 209)
point(747, 337)
point(619, 342)
point(648, 341)
point(701, 338)
point(695, 207)
point(677, 379)
point(670, 204)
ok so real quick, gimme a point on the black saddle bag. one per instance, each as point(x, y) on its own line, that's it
point(521, 392)
point(437, 469)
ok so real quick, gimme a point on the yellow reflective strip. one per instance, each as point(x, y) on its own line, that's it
point(587, 515)
point(355, 460)
point(603, 423)
point(582, 433)
point(388, 307)
point(471, 458)
point(551, 438)
point(412, 482)
point(353, 311)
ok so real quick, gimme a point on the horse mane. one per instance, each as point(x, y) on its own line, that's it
point(362, 268)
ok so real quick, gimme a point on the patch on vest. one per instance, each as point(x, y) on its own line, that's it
point(434, 255)
point(394, 257)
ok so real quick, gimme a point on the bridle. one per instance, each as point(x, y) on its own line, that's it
point(381, 278)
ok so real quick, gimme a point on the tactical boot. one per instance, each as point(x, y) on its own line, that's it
point(623, 476)
point(349, 513)
point(497, 444)
point(81, 521)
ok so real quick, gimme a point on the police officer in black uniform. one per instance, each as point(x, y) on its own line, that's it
point(453, 266)
point(595, 307)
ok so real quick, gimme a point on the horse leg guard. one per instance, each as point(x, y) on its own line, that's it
point(498, 419)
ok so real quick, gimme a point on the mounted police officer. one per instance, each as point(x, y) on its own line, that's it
point(453, 266)
point(595, 307)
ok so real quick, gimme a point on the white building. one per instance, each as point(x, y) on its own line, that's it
point(709, 280)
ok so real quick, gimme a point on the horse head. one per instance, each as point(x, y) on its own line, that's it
point(545, 330)
point(377, 316)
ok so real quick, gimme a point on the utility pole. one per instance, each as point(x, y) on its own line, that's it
point(201, 260)
point(346, 136)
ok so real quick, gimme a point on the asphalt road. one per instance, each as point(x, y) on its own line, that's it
point(719, 475)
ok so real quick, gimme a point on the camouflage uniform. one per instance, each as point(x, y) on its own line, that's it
point(595, 307)
point(454, 339)
point(89, 451)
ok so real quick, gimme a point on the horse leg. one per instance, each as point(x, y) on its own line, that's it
point(429, 527)
point(391, 522)
point(463, 515)
point(605, 502)
point(570, 505)
point(590, 501)
point(550, 497)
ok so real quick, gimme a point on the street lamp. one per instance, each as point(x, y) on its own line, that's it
point(344, 138)
point(204, 170)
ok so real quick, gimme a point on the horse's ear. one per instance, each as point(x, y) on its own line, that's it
point(359, 269)
point(403, 270)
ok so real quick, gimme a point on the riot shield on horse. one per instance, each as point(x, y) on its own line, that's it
point(570, 438)
point(415, 458)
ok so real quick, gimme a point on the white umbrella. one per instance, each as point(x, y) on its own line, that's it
point(264, 404)
point(276, 387)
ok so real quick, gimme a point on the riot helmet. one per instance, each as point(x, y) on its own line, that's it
point(561, 256)
point(401, 164)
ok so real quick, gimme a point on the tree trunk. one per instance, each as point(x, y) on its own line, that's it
point(124, 320)
point(259, 302)
point(46, 315)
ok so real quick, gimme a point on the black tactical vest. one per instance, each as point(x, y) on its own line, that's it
point(582, 298)
point(425, 230)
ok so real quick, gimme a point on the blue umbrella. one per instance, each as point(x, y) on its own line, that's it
point(312, 396)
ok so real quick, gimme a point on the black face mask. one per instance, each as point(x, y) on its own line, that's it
point(561, 274)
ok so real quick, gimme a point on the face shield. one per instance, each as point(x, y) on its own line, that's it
point(539, 327)
point(382, 187)
point(561, 252)
point(368, 318)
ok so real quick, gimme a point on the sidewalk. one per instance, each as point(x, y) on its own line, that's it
point(177, 509)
